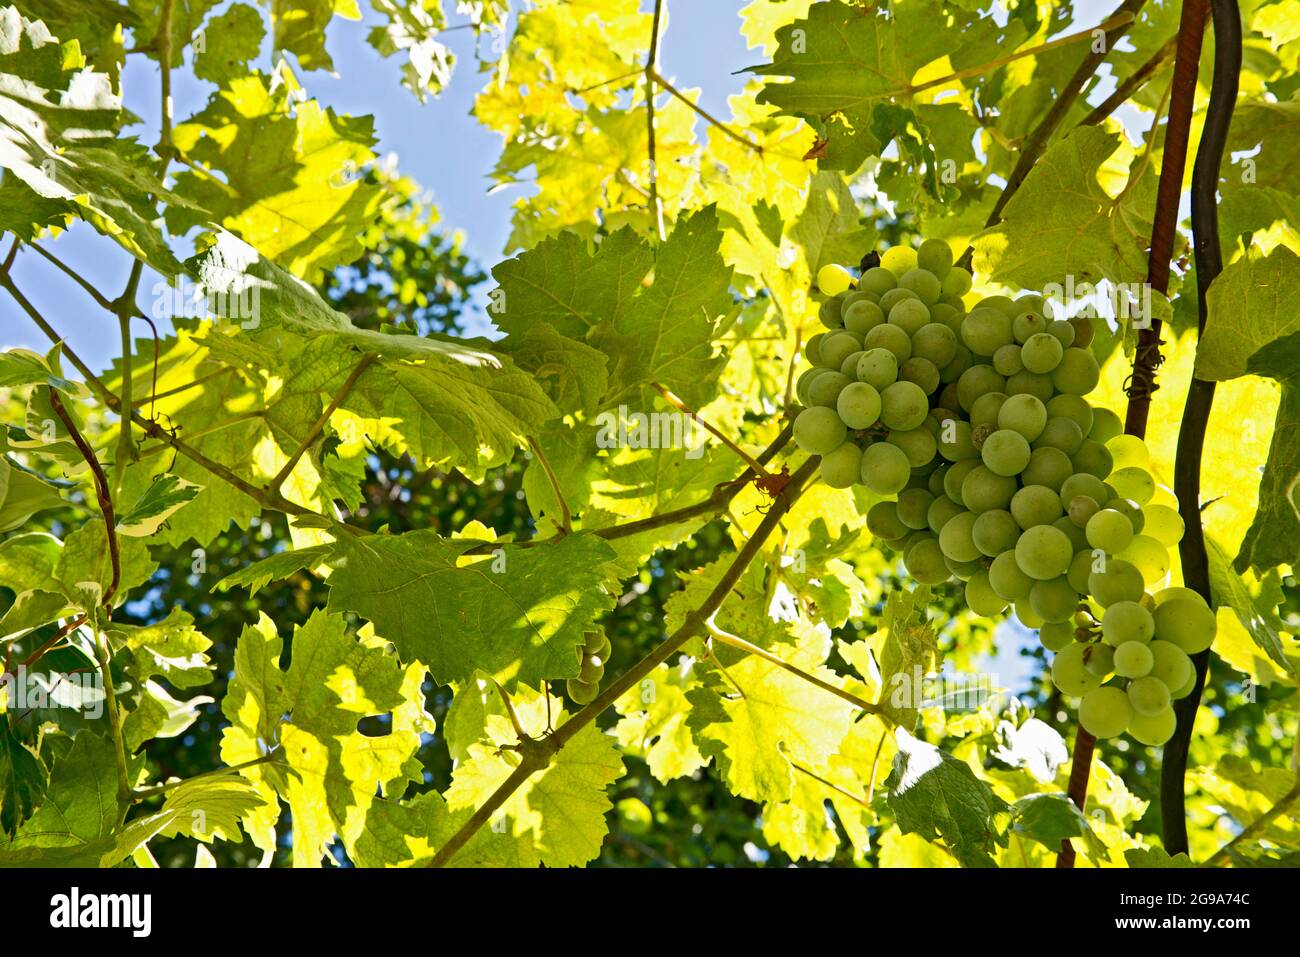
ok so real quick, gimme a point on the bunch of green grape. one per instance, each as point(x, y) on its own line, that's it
point(999, 473)
point(595, 653)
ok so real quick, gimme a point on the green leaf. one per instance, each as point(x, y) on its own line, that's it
point(22, 495)
point(907, 648)
point(230, 42)
point(275, 568)
point(1148, 857)
point(1050, 819)
point(172, 648)
point(210, 808)
point(80, 805)
point(518, 613)
point(165, 495)
point(24, 367)
point(939, 797)
point(158, 715)
point(1228, 588)
point(413, 29)
point(23, 777)
point(654, 724)
point(62, 155)
point(300, 28)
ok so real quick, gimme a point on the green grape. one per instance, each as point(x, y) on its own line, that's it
point(957, 283)
point(592, 670)
point(935, 343)
point(1078, 541)
point(819, 430)
point(1070, 672)
point(1006, 453)
point(1006, 578)
point(863, 316)
point(1083, 331)
point(1041, 353)
point(961, 361)
point(889, 337)
point(913, 507)
point(945, 315)
point(984, 489)
point(829, 313)
point(581, 692)
point(1093, 458)
point(1170, 664)
point(1133, 483)
point(1130, 510)
point(1027, 324)
point(1081, 509)
point(1043, 552)
point(1128, 451)
point(1079, 571)
point(1153, 730)
point(924, 561)
point(985, 330)
point(1024, 414)
point(1175, 591)
point(1047, 466)
point(852, 296)
point(812, 349)
point(899, 259)
point(903, 405)
point(1133, 659)
point(1188, 623)
point(955, 478)
point(1163, 523)
point(838, 346)
point(1149, 696)
point(935, 255)
point(980, 596)
point(805, 379)
point(1003, 304)
point(975, 382)
point(1063, 332)
point(825, 389)
point(1063, 434)
point(1086, 485)
point(955, 538)
point(877, 280)
point(833, 279)
point(858, 405)
point(1109, 530)
point(1054, 601)
point(1106, 425)
point(1113, 581)
point(878, 368)
point(883, 521)
point(1186, 689)
point(917, 444)
point(994, 532)
point(1164, 496)
point(934, 481)
point(1055, 635)
point(849, 367)
point(941, 511)
point(1100, 660)
point(885, 469)
point(1025, 382)
point(955, 440)
point(1072, 407)
point(1077, 373)
point(947, 397)
point(910, 315)
point(1148, 556)
point(1007, 360)
point(1035, 505)
point(592, 642)
point(921, 371)
point(1026, 615)
point(924, 283)
point(842, 467)
point(892, 298)
point(986, 409)
point(1126, 621)
point(1105, 712)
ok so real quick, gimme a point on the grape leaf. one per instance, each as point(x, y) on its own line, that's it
point(231, 41)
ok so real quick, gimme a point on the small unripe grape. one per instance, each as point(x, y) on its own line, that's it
point(1149, 696)
point(1024, 414)
point(1055, 635)
point(1006, 578)
point(833, 279)
point(1006, 453)
point(1118, 582)
point(1176, 591)
point(878, 368)
point(1079, 571)
point(819, 431)
point(858, 405)
point(842, 467)
point(855, 295)
point(862, 316)
point(922, 282)
point(1078, 372)
point(910, 315)
point(1041, 353)
point(1188, 623)
point(1043, 552)
point(1129, 451)
point(1105, 712)
point(582, 692)
point(593, 669)
point(1026, 615)
point(899, 259)
point(592, 642)
point(1109, 530)
point(892, 298)
point(1153, 730)
point(805, 379)
point(947, 316)
point(885, 469)
point(1133, 659)
point(903, 405)
point(891, 338)
point(883, 521)
point(1078, 541)
point(955, 440)
point(1084, 484)
point(1070, 673)
point(1035, 505)
point(1126, 621)
point(935, 255)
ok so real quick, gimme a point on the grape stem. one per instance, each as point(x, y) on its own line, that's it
point(1182, 98)
point(538, 758)
point(681, 406)
point(1200, 399)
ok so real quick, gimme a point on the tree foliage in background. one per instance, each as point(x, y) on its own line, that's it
point(315, 536)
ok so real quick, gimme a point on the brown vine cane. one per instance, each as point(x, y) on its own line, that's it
point(1147, 358)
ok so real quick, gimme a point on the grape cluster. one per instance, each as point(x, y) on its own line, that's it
point(595, 653)
point(999, 473)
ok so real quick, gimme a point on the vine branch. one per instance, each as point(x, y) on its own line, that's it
point(652, 61)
